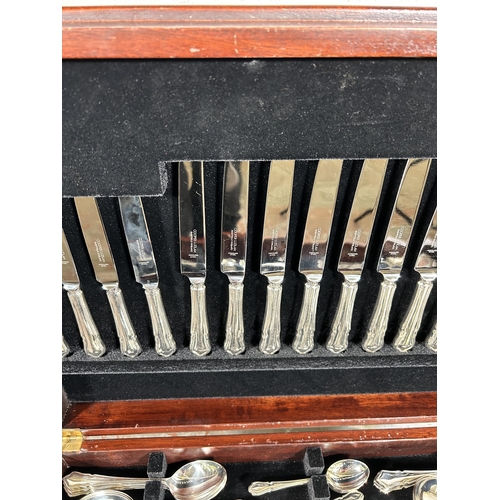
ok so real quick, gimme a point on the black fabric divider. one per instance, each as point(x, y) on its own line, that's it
point(184, 375)
point(123, 119)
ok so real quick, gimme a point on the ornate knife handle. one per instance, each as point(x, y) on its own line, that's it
point(164, 341)
point(200, 341)
point(392, 480)
point(374, 339)
point(339, 334)
point(431, 342)
point(129, 344)
point(407, 333)
point(92, 342)
point(270, 342)
point(78, 483)
point(304, 335)
point(261, 488)
point(65, 348)
point(234, 342)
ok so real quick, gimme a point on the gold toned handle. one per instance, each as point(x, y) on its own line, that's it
point(306, 325)
point(258, 488)
point(92, 342)
point(129, 344)
point(234, 342)
point(407, 333)
point(339, 335)
point(374, 339)
point(164, 341)
point(270, 341)
point(200, 342)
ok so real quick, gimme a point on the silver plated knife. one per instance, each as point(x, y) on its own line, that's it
point(431, 341)
point(192, 250)
point(234, 248)
point(394, 248)
point(92, 342)
point(355, 247)
point(103, 263)
point(315, 247)
point(145, 270)
point(66, 351)
point(273, 251)
point(426, 266)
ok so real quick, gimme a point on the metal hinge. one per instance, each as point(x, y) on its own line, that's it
point(72, 440)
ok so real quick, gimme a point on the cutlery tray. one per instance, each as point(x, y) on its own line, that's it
point(126, 124)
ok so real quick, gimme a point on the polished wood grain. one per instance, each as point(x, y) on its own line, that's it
point(123, 433)
point(247, 32)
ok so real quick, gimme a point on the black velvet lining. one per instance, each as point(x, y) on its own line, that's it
point(123, 119)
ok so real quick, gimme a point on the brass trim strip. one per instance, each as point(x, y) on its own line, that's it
point(72, 440)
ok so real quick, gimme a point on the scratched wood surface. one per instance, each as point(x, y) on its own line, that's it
point(247, 32)
point(269, 428)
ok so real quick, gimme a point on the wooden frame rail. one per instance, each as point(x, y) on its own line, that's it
point(247, 32)
point(123, 433)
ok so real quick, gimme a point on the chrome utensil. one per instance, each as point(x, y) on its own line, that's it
point(343, 476)
point(145, 271)
point(192, 250)
point(393, 480)
point(65, 348)
point(103, 263)
point(274, 246)
point(107, 495)
point(92, 342)
point(197, 480)
point(315, 247)
point(425, 489)
point(355, 246)
point(431, 342)
point(234, 248)
point(394, 248)
point(426, 266)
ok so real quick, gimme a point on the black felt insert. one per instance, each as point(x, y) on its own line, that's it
point(122, 119)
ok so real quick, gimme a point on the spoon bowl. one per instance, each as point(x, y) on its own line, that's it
point(197, 480)
point(346, 475)
point(425, 489)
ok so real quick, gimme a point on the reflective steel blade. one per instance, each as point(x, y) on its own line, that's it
point(92, 342)
point(355, 247)
point(315, 247)
point(192, 249)
point(394, 247)
point(101, 257)
point(274, 246)
point(426, 266)
point(234, 248)
point(146, 274)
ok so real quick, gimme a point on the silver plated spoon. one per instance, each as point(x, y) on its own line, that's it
point(197, 480)
point(392, 480)
point(426, 489)
point(344, 476)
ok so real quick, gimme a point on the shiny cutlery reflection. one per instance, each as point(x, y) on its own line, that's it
point(426, 266)
point(394, 247)
point(355, 247)
point(431, 342)
point(234, 248)
point(145, 270)
point(65, 348)
point(103, 263)
point(92, 342)
point(315, 247)
point(274, 246)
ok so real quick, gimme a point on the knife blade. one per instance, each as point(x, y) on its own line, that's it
point(315, 247)
point(394, 248)
point(145, 270)
point(273, 250)
point(103, 263)
point(234, 248)
point(426, 266)
point(355, 247)
point(192, 250)
point(92, 341)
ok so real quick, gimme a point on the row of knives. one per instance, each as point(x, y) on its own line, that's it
point(316, 236)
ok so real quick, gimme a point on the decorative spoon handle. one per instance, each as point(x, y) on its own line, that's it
point(392, 480)
point(261, 488)
point(79, 483)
